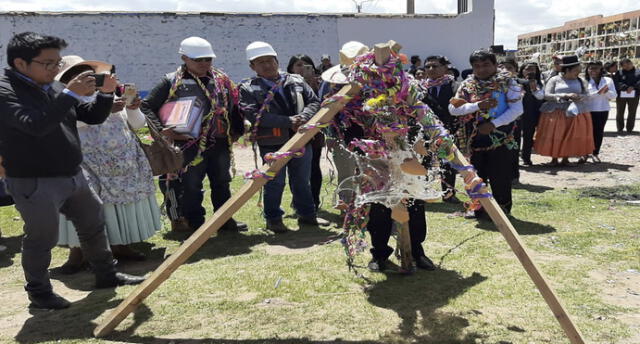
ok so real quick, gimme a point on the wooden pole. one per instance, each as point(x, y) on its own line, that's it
point(513, 239)
point(211, 226)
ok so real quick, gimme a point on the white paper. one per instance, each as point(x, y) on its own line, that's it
point(625, 94)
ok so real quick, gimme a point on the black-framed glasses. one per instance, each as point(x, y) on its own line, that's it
point(50, 65)
point(431, 66)
point(202, 59)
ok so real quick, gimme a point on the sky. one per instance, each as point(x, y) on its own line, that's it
point(513, 17)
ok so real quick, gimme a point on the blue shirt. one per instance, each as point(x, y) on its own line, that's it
point(47, 87)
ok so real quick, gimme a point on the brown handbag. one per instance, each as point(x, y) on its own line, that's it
point(163, 156)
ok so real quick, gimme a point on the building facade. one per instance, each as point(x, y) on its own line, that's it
point(144, 46)
point(603, 38)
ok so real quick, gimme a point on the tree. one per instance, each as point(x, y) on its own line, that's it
point(359, 4)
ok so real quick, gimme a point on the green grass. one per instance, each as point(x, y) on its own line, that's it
point(227, 292)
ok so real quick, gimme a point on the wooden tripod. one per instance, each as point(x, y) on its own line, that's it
point(298, 141)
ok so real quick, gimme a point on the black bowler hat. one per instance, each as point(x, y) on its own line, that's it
point(568, 61)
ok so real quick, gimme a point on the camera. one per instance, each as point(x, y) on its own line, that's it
point(99, 79)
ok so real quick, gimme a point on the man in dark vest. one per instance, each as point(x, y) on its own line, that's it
point(208, 154)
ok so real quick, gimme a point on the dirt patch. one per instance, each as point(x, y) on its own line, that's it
point(620, 164)
point(621, 288)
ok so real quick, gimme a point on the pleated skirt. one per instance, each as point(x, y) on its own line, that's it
point(125, 223)
point(559, 136)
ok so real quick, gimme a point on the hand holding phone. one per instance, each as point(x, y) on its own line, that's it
point(130, 93)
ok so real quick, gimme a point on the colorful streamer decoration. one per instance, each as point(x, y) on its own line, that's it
point(271, 157)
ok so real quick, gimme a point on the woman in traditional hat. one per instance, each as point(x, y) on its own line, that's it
point(565, 128)
point(117, 170)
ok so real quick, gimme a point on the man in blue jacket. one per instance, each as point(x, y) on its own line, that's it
point(41, 154)
point(277, 104)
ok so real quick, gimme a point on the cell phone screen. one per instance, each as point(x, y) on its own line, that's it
point(99, 79)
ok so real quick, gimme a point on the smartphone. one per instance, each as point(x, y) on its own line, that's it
point(99, 79)
point(130, 93)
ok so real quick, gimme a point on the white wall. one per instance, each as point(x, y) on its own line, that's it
point(144, 45)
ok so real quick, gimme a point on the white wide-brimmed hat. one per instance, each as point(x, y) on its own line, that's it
point(348, 54)
point(71, 61)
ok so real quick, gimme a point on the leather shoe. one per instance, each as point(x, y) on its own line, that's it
point(377, 265)
point(452, 200)
point(117, 279)
point(425, 263)
point(234, 226)
point(312, 221)
point(277, 226)
point(48, 300)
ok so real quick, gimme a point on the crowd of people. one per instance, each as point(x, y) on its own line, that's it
point(74, 166)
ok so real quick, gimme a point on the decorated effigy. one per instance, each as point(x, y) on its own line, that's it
point(398, 150)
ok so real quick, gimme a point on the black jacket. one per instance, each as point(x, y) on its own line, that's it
point(625, 79)
point(38, 134)
point(440, 103)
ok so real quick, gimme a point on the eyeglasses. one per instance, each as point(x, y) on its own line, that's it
point(431, 66)
point(202, 59)
point(50, 65)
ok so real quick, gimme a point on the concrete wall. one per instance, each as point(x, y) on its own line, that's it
point(144, 45)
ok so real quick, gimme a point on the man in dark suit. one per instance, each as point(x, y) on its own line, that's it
point(441, 87)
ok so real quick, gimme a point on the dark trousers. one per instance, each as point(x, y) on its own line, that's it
point(316, 176)
point(621, 103)
point(448, 175)
point(299, 171)
point(380, 225)
point(40, 202)
point(184, 196)
point(496, 167)
point(599, 120)
point(515, 153)
point(527, 127)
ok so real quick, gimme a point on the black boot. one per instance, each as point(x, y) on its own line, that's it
point(114, 279)
point(48, 300)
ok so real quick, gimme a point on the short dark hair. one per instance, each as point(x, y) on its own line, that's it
point(415, 58)
point(305, 58)
point(510, 61)
point(527, 64)
point(441, 59)
point(455, 72)
point(482, 55)
point(27, 45)
point(594, 63)
point(625, 60)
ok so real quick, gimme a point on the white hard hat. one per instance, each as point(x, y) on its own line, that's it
point(258, 49)
point(196, 47)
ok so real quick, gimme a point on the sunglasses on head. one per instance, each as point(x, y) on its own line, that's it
point(202, 59)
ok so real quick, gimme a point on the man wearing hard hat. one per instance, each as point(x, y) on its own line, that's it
point(277, 104)
point(209, 151)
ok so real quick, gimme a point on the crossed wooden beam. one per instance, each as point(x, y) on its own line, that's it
point(297, 142)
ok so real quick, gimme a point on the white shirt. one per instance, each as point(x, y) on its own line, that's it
point(600, 102)
point(514, 104)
